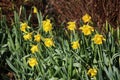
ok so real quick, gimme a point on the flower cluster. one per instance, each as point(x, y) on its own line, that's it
point(87, 30)
point(36, 38)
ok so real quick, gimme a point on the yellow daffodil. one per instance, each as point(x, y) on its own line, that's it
point(49, 42)
point(27, 36)
point(35, 10)
point(98, 39)
point(87, 29)
point(34, 48)
point(37, 38)
point(71, 26)
point(32, 62)
point(86, 18)
point(47, 26)
point(75, 44)
point(23, 27)
point(92, 72)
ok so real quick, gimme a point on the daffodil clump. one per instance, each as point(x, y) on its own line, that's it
point(68, 52)
point(34, 38)
point(88, 30)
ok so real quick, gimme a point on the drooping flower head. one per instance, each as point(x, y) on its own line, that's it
point(98, 39)
point(27, 36)
point(75, 44)
point(71, 26)
point(47, 26)
point(48, 42)
point(86, 18)
point(35, 10)
point(32, 62)
point(92, 72)
point(24, 26)
point(37, 38)
point(87, 29)
point(34, 48)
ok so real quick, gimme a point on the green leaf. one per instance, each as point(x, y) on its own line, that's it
point(11, 66)
point(77, 65)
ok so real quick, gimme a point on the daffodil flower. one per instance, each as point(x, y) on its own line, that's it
point(32, 62)
point(86, 18)
point(47, 26)
point(37, 38)
point(71, 26)
point(34, 48)
point(92, 72)
point(87, 29)
point(27, 36)
point(98, 39)
point(75, 44)
point(24, 26)
point(35, 10)
point(48, 42)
